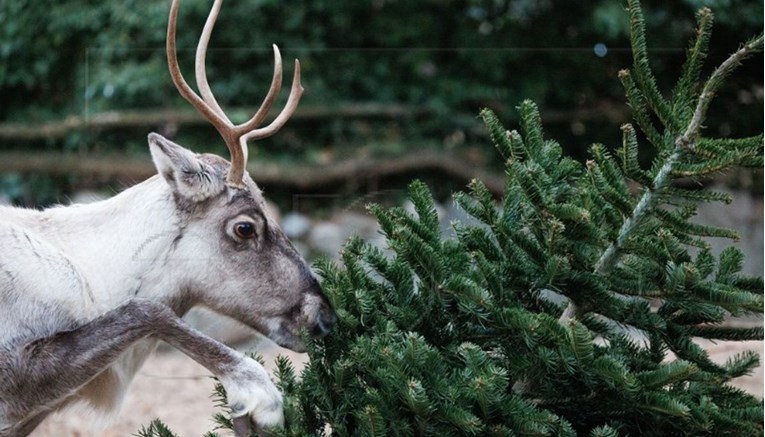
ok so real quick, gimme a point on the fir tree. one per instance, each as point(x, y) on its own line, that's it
point(526, 323)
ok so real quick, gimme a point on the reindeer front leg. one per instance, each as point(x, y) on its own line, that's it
point(249, 389)
point(57, 366)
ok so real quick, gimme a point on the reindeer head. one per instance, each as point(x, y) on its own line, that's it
point(250, 270)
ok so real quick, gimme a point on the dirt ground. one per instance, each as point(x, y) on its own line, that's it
point(175, 389)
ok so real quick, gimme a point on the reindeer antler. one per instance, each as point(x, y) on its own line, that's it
point(235, 136)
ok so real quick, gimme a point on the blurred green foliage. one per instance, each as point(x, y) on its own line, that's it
point(81, 57)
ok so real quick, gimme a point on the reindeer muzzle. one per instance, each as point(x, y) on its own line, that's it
point(324, 322)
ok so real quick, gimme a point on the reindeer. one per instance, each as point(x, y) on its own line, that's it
point(87, 291)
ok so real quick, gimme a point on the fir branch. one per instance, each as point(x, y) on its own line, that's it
point(688, 139)
point(640, 112)
point(660, 402)
point(156, 428)
point(581, 343)
point(502, 139)
point(629, 156)
point(667, 374)
point(672, 194)
point(609, 182)
point(726, 333)
point(604, 431)
point(730, 262)
point(642, 68)
point(684, 142)
point(479, 204)
point(683, 94)
point(531, 124)
point(680, 225)
point(742, 363)
point(710, 147)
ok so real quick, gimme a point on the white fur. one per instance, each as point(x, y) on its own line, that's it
point(248, 392)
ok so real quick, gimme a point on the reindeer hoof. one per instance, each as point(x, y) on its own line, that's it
point(243, 427)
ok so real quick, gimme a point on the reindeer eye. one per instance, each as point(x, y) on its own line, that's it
point(244, 229)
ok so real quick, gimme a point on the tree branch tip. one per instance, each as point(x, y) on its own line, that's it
point(705, 12)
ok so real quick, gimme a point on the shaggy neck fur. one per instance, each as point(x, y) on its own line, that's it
point(133, 235)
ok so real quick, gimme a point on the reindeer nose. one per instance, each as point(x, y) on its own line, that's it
point(324, 323)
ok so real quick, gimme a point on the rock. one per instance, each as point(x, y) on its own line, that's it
point(295, 225)
point(327, 238)
point(355, 223)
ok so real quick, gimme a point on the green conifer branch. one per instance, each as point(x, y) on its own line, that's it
point(674, 371)
point(686, 141)
point(643, 73)
point(671, 195)
point(500, 137)
point(604, 431)
point(683, 95)
point(693, 130)
point(742, 363)
point(710, 147)
point(155, 429)
point(629, 156)
point(640, 112)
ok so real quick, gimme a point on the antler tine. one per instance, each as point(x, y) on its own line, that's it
point(247, 130)
point(289, 108)
point(221, 123)
point(175, 73)
point(199, 62)
point(273, 91)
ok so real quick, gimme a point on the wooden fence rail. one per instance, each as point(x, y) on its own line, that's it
point(298, 176)
point(159, 117)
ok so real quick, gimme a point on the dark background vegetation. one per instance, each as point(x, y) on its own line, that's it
point(384, 80)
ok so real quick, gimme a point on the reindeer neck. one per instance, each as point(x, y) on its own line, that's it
point(123, 244)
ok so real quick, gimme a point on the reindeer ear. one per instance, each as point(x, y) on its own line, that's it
point(183, 170)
